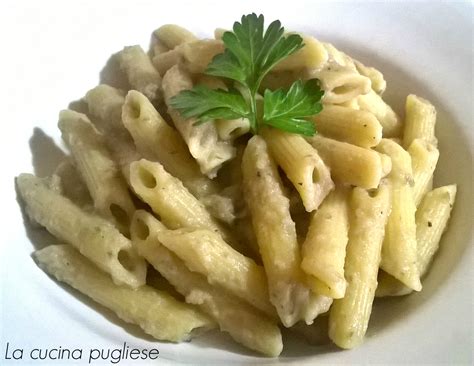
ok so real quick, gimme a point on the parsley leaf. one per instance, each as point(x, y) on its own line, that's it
point(206, 104)
point(250, 53)
point(287, 110)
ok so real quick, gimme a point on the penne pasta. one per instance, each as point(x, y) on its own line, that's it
point(156, 46)
point(350, 164)
point(432, 218)
point(373, 103)
point(166, 60)
point(338, 57)
point(156, 312)
point(349, 316)
point(105, 107)
point(98, 169)
point(95, 237)
point(229, 130)
point(276, 237)
point(169, 199)
point(356, 127)
point(420, 120)
point(301, 164)
point(340, 84)
point(140, 72)
point(72, 185)
point(198, 54)
point(244, 323)
point(431, 221)
point(312, 56)
point(157, 141)
point(324, 248)
point(399, 256)
point(424, 157)
point(377, 80)
point(260, 173)
point(205, 252)
point(172, 35)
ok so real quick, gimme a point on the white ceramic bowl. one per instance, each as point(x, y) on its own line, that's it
point(52, 53)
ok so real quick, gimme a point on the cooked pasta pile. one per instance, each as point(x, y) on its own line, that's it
point(254, 233)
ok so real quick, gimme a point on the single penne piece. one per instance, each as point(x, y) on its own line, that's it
point(432, 217)
point(105, 107)
point(340, 84)
point(205, 252)
point(73, 186)
point(169, 199)
point(157, 141)
point(203, 140)
point(172, 35)
point(243, 322)
point(349, 316)
point(276, 237)
point(377, 80)
point(339, 57)
point(156, 46)
point(105, 104)
point(166, 60)
point(301, 164)
point(99, 171)
point(112, 74)
point(424, 157)
point(229, 130)
point(312, 56)
point(373, 103)
point(420, 121)
point(348, 163)
point(198, 55)
point(356, 127)
point(140, 72)
point(95, 237)
point(399, 256)
point(324, 248)
point(156, 312)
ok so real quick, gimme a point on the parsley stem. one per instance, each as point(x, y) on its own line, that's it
point(252, 101)
point(253, 109)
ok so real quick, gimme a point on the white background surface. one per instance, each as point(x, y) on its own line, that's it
point(52, 52)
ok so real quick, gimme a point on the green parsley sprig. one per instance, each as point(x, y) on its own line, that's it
point(250, 53)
